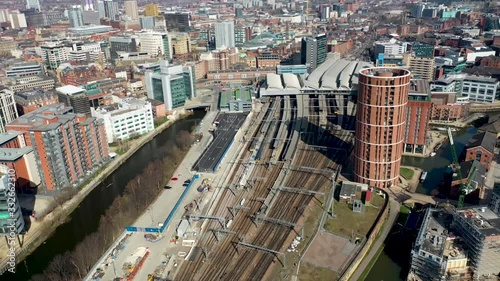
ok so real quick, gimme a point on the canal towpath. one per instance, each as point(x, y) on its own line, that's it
point(41, 230)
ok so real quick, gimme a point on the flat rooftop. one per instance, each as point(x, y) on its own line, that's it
point(12, 154)
point(435, 233)
point(70, 90)
point(8, 136)
point(483, 219)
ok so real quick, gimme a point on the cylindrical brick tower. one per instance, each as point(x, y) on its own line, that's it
point(380, 125)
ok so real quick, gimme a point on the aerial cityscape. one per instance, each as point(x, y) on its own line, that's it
point(305, 140)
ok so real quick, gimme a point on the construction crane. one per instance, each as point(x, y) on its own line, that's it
point(464, 186)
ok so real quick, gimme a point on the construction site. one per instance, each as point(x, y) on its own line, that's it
point(292, 155)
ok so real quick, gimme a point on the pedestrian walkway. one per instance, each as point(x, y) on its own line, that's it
point(393, 214)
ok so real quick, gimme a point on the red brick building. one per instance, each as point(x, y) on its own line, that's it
point(17, 156)
point(418, 114)
point(491, 61)
point(380, 127)
point(481, 148)
point(67, 146)
point(80, 75)
point(29, 100)
point(446, 108)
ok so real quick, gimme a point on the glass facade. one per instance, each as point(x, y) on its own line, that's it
point(178, 89)
point(157, 89)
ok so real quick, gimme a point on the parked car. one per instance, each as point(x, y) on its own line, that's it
point(167, 187)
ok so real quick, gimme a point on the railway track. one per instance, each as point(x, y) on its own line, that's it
point(225, 259)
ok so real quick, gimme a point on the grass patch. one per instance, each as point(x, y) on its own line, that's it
point(346, 223)
point(160, 120)
point(406, 173)
point(309, 272)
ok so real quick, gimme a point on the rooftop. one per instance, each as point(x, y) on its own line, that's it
point(234, 94)
point(70, 90)
point(12, 154)
point(485, 139)
point(40, 117)
point(336, 74)
point(434, 232)
point(33, 94)
point(8, 136)
point(385, 72)
point(483, 219)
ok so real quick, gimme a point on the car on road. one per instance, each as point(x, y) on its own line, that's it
point(167, 187)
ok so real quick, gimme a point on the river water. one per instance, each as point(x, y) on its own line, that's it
point(393, 262)
point(85, 219)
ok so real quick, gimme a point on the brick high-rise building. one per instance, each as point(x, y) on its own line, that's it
point(418, 114)
point(380, 126)
point(67, 146)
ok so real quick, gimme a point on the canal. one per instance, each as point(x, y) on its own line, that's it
point(85, 219)
point(393, 262)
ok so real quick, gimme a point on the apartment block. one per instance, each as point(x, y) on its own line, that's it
point(418, 114)
point(127, 118)
point(9, 216)
point(68, 147)
point(447, 107)
point(480, 231)
point(224, 35)
point(421, 67)
point(380, 126)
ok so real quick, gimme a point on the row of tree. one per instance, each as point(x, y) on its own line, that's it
point(139, 193)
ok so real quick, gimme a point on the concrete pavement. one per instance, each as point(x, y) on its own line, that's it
point(393, 214)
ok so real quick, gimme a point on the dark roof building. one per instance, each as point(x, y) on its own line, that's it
point(482, 148)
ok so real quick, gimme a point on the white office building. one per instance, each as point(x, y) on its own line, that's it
point(8, 109)
point(391, 47)
point(80, 51)
point(54, 54)
point(224, 35)
point(156, 44)
point(126, 118)
point(23, 69)
point(480, 88)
